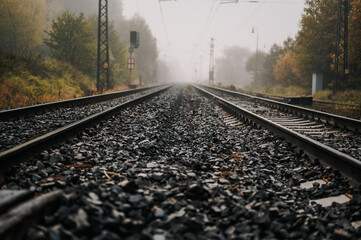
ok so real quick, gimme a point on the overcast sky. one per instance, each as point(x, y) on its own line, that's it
point(184, 35)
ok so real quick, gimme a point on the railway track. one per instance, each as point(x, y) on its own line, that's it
point(348, 110)
point(319, 134)
point(23, 124)
point(57, 134)
point(177, 166)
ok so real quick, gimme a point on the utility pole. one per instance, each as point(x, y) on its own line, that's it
point(256, 73)
point(211, 63)
point(341, 61)
point(103, 47)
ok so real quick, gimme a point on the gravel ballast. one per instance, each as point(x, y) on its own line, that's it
point(15, 132)
point(171, 168)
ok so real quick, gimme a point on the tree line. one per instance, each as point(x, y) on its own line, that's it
point(36, 36)
point(311, 51)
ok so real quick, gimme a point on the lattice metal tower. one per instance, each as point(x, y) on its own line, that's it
point(103, 47)
point(211, 63)
point(341, 61)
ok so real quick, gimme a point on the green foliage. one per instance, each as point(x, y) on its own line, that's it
point(71, 39)
point(21, 25)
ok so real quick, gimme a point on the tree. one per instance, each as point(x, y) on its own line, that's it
point(71, 39)
point(231, 67)
point(21, 25)
point(276, 52)
point(146, 55)
point(316, 40)
point(285, 70)
point(355, 44)
point(256, 59)
point(268, 76)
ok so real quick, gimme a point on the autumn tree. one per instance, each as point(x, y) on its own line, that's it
point(275, 54)
point(316, 40)
point(71, 39)
point(355, 44)
point(21, 25)
point(286, 71)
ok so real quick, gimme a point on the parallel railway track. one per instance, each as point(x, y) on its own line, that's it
point(23, 124)
point(297, 125)
point(6, 115)
point(27, 149)
point(178, 165)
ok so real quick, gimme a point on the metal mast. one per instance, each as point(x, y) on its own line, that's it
point(103, 47)
point(211, 63)
point(341, 63)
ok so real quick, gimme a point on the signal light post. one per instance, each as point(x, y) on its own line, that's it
point(134, 43)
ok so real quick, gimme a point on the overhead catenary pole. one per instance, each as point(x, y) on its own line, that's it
point(256, 72)
point(103, 73)
point(341, 58)
point(211, 63)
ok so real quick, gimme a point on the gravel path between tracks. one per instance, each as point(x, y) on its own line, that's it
point(13, 133)
point(343, 140)
point(177, 171)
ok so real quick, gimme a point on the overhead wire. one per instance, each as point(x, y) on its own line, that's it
point(136, 1)
point(243, 23)
point(163, 21)
point(209, 21)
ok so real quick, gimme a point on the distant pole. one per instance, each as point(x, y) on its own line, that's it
point(103, 77)
point(211, 63)
point(341, 61)
point(256, 73)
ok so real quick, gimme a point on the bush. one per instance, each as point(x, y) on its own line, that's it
point(279, 90)
point(45, 81)
point(347, 96)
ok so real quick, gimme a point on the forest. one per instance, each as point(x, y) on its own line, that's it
point(287, 69)
point(48, 52)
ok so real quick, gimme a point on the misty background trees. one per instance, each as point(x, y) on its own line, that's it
point(311, 51)
point(231, 68)
point(48, 49)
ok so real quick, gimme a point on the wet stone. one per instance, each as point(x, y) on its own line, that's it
point(177, 170)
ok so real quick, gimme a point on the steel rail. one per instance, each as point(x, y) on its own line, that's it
point(340, 121)
point(25, 150)
point(15, 113)
point(349, 166)
point(15, 222)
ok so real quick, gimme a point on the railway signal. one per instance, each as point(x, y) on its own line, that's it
point(134, 43)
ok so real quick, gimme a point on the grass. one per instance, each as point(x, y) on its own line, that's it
point(29, 80)
point(279, 90)
point(346, 96)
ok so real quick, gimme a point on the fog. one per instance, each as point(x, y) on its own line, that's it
point(183, 29)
